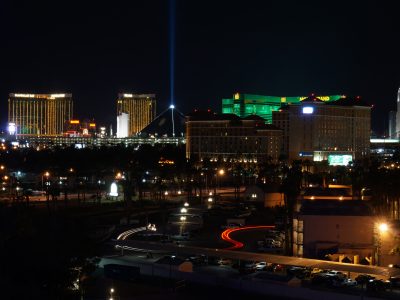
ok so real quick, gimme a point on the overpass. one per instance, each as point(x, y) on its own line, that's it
point(249, 256)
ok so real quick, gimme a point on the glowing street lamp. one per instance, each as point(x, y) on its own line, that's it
point(186, 204)
point(383, 227)
point(183, 210)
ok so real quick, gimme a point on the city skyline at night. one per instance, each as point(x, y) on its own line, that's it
point(96, 51)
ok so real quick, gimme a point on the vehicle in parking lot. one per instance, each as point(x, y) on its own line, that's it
point(395, 281)
point(261, 266)
point(299, 272)
point(198, 259)
point(316, 271)
point(364, 278)
point(319, 278)
point(224, 262)
point(377, 285)
point(344, 282)
point(181, 237)
point(349, 282)
point(333, 273)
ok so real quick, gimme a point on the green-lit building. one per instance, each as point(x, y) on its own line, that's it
point(244, 105)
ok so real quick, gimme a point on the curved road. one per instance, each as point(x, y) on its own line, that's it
point(225, 235)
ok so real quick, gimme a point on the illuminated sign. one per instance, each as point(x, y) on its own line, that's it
point(74, 121)
point(57, 95)
point(128, 95)
point(308, 110)
point(322, 98)
point(339, 159)
point(237, 96)
point(24, 95)
point(12, 128)
point(92, 124)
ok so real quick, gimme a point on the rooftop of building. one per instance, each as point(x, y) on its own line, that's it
point(335, 208)
point(40, 96)
point(130, 95)
point(320, 191)
point(209, 115)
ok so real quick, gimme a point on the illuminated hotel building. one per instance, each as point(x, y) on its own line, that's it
point(141, 110)
point(234, 139)
point(244, 105)
point(336, 131)
point(39, 114)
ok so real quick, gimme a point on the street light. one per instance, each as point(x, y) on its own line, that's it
point(183, 210)
point(183, 221)
point(47, 175)
point(382, 229)
point(220, 172)
point(186, 204)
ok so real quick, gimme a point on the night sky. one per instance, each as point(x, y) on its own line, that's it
point(286, 48)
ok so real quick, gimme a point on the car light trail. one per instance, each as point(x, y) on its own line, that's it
point(225, 235)
point(124, 235)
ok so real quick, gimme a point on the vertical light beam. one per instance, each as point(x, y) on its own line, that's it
point(172, 7)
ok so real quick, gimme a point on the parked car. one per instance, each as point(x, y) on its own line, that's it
point(224, 262)
point(299, 272)
point(198, 259)
point(377, 285)
point(333, 273)
point(364, 278)
point(261, 266)
point(343, 282)
point(349, 282)
point(395, 281)
point(316, 271)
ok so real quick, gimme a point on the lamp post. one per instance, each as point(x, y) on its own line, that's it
point(183, 221)
point(382, 229)
point(46, 174)
point(220, 172)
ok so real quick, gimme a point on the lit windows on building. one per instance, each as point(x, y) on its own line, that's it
point(39, 114)
point(140, 108)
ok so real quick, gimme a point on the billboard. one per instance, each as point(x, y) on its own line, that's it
point(339, 159)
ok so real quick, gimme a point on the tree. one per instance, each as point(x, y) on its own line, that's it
point(291, 187)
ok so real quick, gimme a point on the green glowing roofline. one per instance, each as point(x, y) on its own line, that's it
point(245, 105)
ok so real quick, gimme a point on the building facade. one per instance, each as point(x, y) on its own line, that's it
point(228, 137)
point(123, 125)
point(244, 105)
point(347, 231)
point(338, 131)
point(39, 114)
point(141, 110)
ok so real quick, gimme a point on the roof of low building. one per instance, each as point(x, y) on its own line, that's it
point(335, 208)
point(320, 191)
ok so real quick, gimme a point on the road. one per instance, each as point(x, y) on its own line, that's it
point(248, 256)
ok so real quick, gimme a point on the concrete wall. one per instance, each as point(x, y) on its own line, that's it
point(351, 230)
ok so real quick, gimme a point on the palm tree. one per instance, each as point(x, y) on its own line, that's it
point(291, 187)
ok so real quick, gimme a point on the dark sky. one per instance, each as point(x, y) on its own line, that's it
point(96, 49)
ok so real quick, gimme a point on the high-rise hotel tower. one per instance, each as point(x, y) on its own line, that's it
point(39, 114)
point(141, 110)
